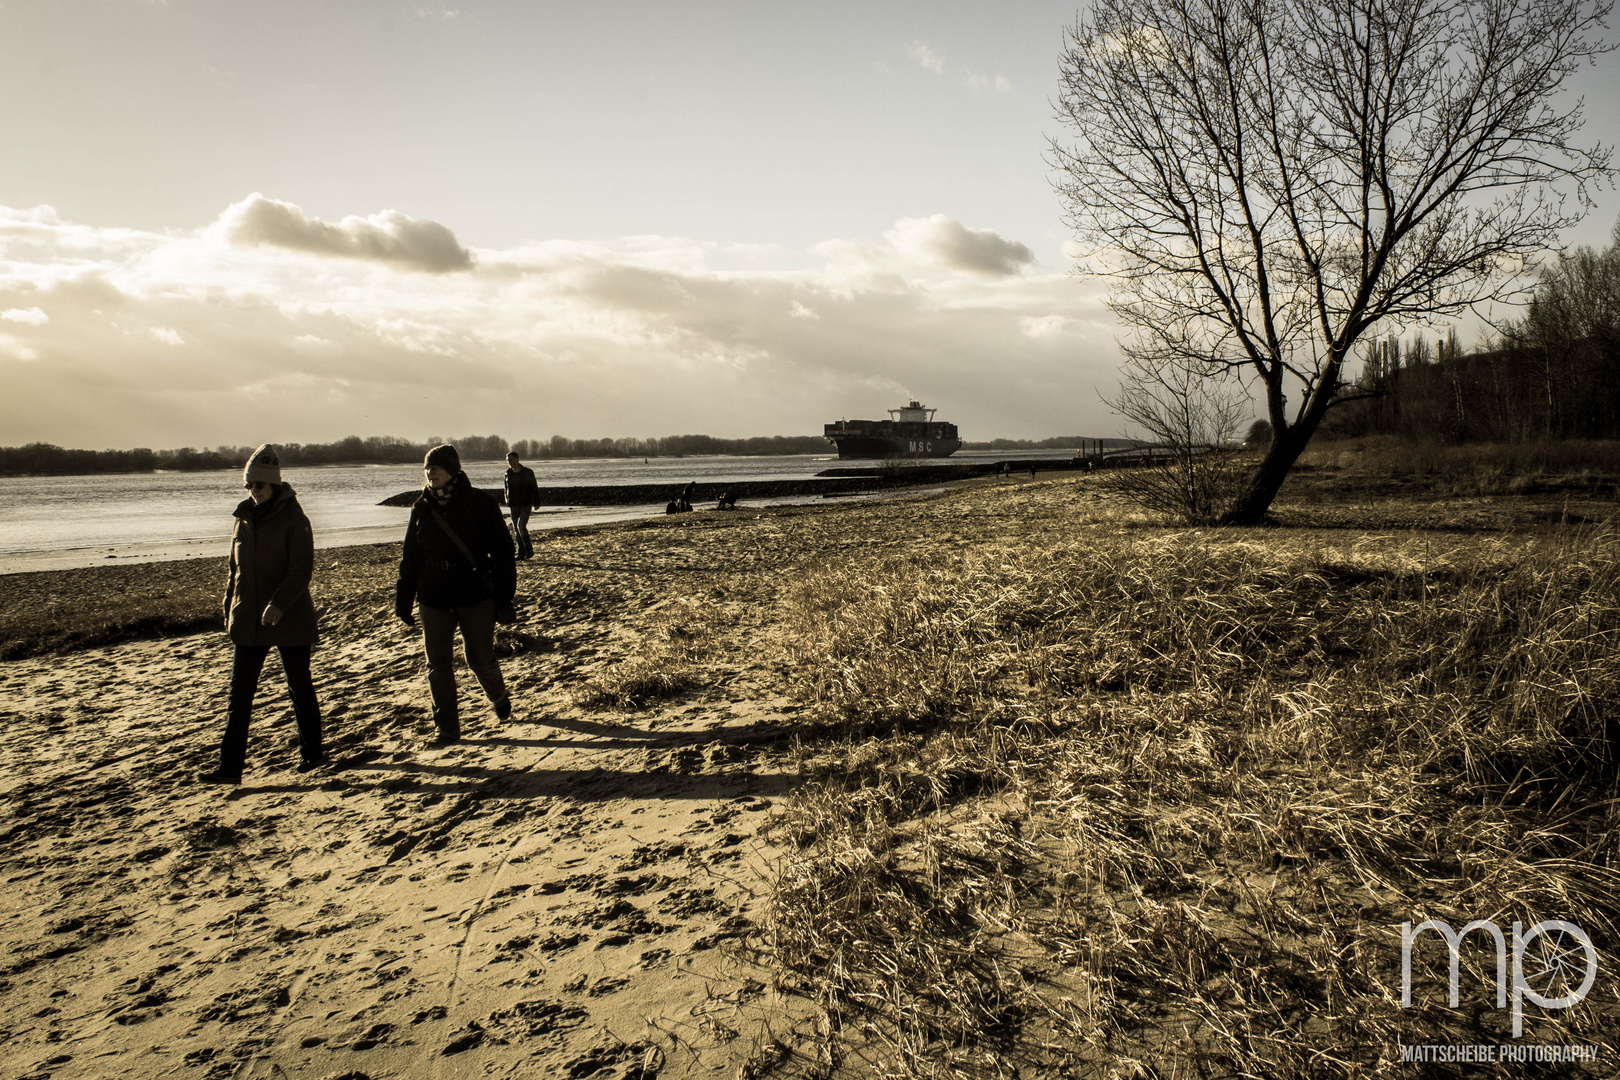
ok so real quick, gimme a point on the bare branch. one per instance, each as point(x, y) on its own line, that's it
point(1266, 181)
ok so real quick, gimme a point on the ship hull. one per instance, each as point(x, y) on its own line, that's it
point(880, 446)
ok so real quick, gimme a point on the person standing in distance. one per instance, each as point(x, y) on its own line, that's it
point(267, 603)
point(522, 493)
point(456, 566)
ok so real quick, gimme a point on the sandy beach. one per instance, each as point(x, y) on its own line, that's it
point(570, 889)
point(574, 887)
point(578, 891)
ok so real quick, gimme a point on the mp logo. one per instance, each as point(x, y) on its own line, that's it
point(1542, 963)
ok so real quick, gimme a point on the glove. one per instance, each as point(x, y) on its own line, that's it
point(402, 609)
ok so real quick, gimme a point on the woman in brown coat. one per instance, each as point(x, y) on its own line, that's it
point(267, 603)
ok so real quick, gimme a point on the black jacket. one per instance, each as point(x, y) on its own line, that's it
point(433, 569)
point(522, 489)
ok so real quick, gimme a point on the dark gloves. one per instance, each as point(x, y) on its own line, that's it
point(402, 609)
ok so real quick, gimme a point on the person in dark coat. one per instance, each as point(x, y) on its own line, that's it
point(522, 493)
point(454, 588)
point(267, 604)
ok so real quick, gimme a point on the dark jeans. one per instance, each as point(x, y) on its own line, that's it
point(245, 669)
point(477, 622)
point(520, 525)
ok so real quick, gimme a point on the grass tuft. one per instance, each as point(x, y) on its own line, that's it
point(667, 665)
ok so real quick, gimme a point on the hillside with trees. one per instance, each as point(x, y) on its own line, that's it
point(1552, 374)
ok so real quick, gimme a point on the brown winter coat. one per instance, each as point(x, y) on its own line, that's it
point(272, 560)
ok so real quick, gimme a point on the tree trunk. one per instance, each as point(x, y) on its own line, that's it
point(1250, 507)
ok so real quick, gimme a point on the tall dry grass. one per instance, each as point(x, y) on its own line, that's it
point(1160, 802)
point(1474, 469)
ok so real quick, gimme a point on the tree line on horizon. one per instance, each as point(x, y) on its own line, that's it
point(45, 459)
point(1552, 374)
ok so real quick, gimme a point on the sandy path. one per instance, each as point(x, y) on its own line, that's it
point(566, 892)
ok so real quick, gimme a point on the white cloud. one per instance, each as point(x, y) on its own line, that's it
point(11, 348)
point(386, 237)
point(1044, 326)
point(39, 215)
point(641, 336)
point(985, 84)
point(33, 316)
point(926, 56)
point(951, 245)
point(929, 58)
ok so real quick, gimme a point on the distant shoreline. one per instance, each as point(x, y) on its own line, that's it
point(42, 459)
point(360, 463)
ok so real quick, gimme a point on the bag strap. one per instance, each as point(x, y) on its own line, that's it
point(451, 533)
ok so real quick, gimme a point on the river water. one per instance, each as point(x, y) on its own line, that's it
point(59, 522)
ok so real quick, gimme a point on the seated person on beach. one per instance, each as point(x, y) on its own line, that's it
point(267, 604)
point(728, 501)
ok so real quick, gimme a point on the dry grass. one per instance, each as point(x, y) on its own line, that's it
point(1164, 799)
point(666, 665)
point(1475, 469)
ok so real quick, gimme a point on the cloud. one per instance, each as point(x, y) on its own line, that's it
point(929, 58)
point(951, 245)
point(33, 316)
point(926, 56)
point(636, 336)
point(1044, 326)
point(388, 237)
point(984, 84)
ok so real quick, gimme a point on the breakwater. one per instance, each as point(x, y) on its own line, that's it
point(834, 481)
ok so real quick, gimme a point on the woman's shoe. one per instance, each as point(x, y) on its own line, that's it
point(308, 765)
point(219, 777)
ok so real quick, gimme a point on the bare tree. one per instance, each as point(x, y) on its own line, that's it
point(1265, 181)
point(1192, 471)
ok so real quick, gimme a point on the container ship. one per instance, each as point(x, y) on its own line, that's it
point(911, 431)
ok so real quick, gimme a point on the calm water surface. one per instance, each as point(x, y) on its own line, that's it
point(62, 521)
point(54, 522)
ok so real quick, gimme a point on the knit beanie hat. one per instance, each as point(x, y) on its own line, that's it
point(263, 467)
point(445, 457)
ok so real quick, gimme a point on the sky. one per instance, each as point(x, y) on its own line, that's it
point(223, 223)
